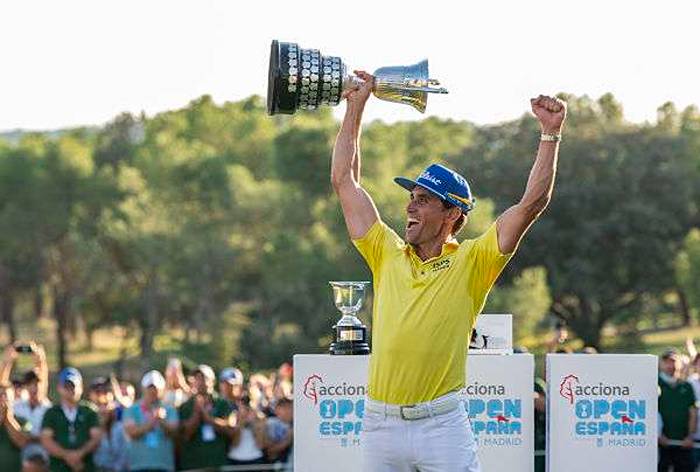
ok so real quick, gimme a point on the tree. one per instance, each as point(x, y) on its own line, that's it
point(687, 266)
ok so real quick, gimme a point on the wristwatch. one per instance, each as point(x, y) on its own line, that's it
point(553, 138)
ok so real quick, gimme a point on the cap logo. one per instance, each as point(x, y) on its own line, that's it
point(430, 178)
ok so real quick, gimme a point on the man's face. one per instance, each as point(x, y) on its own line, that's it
point(226, 389)
point(33, 390)
point(101, 396)
point(202, 384)
point(426, 217)
point(69, 392)
point(671, 365)
point(285, 412)
point(153, 394)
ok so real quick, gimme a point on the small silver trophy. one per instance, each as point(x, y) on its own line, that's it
point(350, 335)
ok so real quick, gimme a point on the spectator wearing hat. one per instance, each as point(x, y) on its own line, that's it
point(70, 431)
point(231, 386)
point(14, 432)
point(206, 424)
point(110, 455)
point(678, 413)
point(35, 383)
point(280, 432)
point(151, 427)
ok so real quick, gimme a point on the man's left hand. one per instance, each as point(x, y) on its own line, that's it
point(551, 113)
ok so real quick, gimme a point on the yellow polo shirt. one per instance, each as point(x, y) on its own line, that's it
point(424, 312)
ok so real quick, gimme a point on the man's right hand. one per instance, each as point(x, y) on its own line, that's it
point(358, 95)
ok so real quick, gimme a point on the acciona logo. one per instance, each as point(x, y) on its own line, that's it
point(315, 388)
point(571, 387)
point(476, 388)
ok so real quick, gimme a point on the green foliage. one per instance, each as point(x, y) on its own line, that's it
point(527, 298)
point(219, 222)
point(688, 268)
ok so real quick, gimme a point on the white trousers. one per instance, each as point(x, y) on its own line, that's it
point(442, 443)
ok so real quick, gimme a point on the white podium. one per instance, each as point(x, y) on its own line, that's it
point(601, 412)
point(329, 404)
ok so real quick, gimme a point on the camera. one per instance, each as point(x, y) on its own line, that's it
point(24, 349)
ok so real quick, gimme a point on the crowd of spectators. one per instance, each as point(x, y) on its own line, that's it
point(175, 420)
point(178, 420)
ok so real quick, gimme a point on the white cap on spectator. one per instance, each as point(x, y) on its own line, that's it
point(231, 375)
point(153, 378)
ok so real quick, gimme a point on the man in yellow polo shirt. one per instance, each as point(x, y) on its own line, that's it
point(429, 289)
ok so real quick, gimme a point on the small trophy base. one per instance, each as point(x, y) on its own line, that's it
point(349, 341)
point(349, 348)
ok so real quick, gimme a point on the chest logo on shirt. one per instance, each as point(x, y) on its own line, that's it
point(440, 265)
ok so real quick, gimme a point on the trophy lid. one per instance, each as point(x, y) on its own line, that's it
point(272, 74)
point(281, 97)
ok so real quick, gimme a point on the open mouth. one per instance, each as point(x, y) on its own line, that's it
point(411, 222)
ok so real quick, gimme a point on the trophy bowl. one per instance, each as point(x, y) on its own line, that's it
point(350, 335)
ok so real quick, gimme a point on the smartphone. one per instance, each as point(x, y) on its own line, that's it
point(24, 349)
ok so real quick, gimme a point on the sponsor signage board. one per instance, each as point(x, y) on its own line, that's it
point(601, 412)
point(329, 403)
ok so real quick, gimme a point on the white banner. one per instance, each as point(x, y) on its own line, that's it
point(329, 405)
point(602, 412)
point(500, 401)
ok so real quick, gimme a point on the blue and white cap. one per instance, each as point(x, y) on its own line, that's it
point(72, 375)
point(444, 183)
point(231, 375)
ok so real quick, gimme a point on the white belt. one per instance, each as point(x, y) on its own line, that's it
point(439, 406)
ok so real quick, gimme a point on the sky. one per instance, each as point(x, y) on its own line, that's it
point(81, 62)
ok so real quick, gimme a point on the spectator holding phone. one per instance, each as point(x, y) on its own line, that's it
point(36, 383)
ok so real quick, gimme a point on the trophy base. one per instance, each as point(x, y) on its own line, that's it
point(350, 339)
point(349, 348)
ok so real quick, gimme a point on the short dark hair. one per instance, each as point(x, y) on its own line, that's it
point(669, 353)
point(460, 222)
point(30, 376)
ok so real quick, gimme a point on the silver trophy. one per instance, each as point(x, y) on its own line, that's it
point(300, 78)
point(350, 335)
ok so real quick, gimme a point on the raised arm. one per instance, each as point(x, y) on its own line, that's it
point(516, 220)
point(358, 208)
point(8, 361)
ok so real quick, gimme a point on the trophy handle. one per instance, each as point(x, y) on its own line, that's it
point(409, 85)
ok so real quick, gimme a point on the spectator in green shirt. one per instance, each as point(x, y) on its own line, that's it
point(14, 432)
point(70, 431)
point(206, 424)
point(678, 413)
